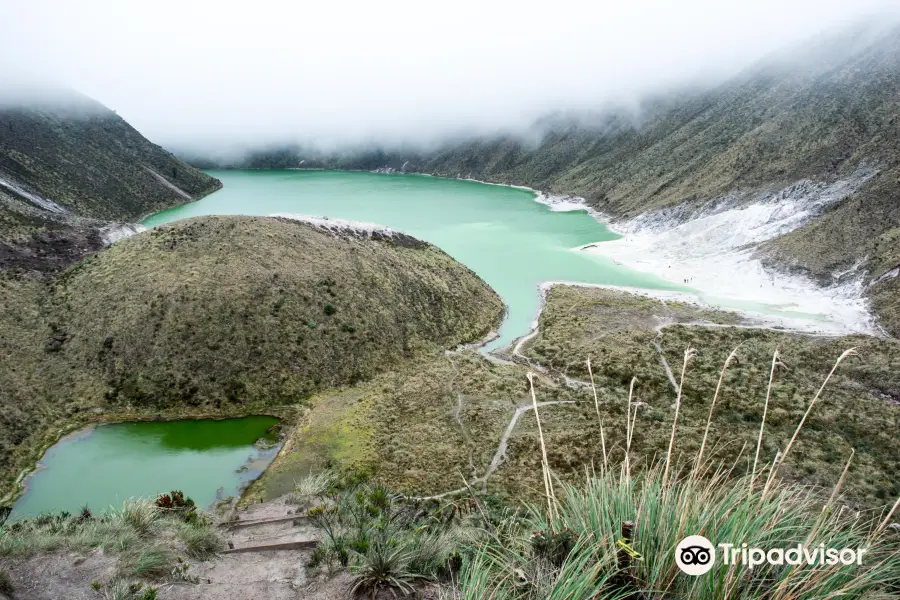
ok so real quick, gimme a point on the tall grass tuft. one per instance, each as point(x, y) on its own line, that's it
point(315, 484)
point(385, 541)
point(569, 548)
point(141, 514)
point(152, 560)
point(723, 510)
point(202, 541)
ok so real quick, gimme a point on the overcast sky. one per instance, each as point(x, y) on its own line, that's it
point(198, 72)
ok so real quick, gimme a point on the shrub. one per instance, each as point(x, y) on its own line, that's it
point(176, 503)
point(386, 541)
point(202, 541)
point(119, 589)
point(385, 565)
point(315, 484)
point(154, 560)
point(140, 514)
point(122, 589)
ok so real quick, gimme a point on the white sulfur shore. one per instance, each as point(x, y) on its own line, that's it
point(340, 225)
point(711, 253)
point(119, 231)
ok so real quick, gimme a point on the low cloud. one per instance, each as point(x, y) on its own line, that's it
point(197, 74)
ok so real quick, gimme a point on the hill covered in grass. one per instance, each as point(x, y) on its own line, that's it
point(224, 315)
point(69, 167)
point(423, 427)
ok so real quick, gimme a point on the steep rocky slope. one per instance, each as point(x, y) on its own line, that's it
point(68, 168)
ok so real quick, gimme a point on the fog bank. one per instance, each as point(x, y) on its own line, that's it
point(195, 74)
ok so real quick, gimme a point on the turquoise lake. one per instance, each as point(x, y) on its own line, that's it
point(499, 232)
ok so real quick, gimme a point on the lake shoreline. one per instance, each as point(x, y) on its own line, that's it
point(649, 256)
point(286, 416)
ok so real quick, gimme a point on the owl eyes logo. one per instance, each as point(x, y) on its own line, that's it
point(695, 555)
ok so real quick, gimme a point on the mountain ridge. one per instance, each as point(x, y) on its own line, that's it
point(69, 169)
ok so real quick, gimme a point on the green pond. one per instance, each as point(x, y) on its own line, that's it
point(103, 466)
point(499, 232)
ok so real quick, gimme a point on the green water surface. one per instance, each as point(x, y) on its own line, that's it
point(103, 466)
point(499, 232)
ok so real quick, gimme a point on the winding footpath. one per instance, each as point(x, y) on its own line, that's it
point(499, 454)
point(516, 357)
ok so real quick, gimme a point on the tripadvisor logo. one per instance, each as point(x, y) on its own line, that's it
point(696, 555)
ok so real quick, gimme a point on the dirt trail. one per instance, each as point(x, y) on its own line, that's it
point(499, 454)
point(250, 569)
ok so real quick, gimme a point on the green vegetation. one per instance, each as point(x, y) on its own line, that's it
point(573, 510)
point(385, 543)
point(144, 536)
point(573, 550)
point(121, 589)
point(424, 427)
point(6, 586)
point(612, 535)
point(859, 411)
point(209, 317)
point(83, 156)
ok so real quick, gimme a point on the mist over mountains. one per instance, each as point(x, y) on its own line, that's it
point(825, 111)
point(193, 77)
point(636, 115)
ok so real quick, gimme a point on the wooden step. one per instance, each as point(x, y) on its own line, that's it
point(303, 545)
point(253, 522)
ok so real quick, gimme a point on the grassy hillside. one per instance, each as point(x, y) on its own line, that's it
point(220, 315)
point(422, 428)
point(68, 166)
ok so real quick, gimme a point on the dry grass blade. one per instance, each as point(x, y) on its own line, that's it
point(887, 519)
point(599, 418)
point(629, 428)
point(762, 425)
point(689, 354)
point(787, 450)
point(545, 464)
point(731, 358)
